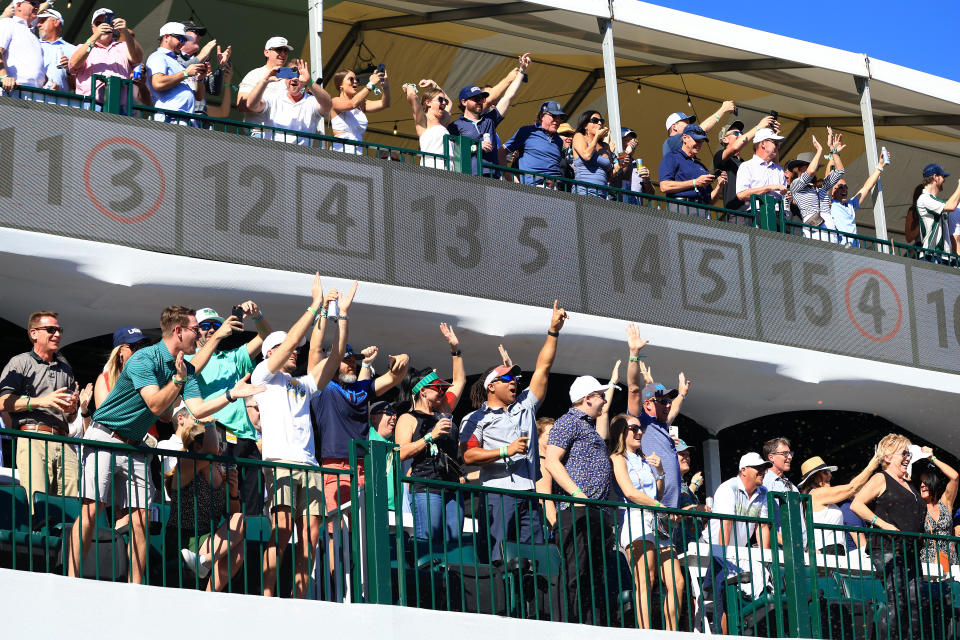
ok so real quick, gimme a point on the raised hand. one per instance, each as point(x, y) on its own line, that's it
point(399, 362)
point(646, 372)
point(243, 388)
point(684, 385)
point(347, 300)
point(525, 61)
point(634, 341)
point(230, 326)
point(223, 55)
point(615, 374)
point(85, 396)
point(507, 362)
point(250, 309)
point(559, 317)
point(452, 340)
point(817, 145)
point(316, 291)
point(180, 365)
point(207, 50)
point(304, 71)
point(728, 106)
point(370, 354)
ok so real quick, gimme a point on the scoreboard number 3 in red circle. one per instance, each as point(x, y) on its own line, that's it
point(869, 302)
point(125, 170)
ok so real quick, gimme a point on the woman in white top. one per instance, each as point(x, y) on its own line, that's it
point(431, 115)
point(348, 117)
point(816, 481)
point(640, 481)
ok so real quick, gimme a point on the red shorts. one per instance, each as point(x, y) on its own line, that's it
point(336, 486)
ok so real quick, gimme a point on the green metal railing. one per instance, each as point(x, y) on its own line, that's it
point(599, 562)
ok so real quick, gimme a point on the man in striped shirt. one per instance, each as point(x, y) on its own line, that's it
point(814, 203)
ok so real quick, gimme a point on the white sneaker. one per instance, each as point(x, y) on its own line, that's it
point(197, 563)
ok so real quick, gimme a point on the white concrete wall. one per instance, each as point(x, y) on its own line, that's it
point(55, 606)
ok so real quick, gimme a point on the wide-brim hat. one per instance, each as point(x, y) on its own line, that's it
point(800, 160)
point(812, 466)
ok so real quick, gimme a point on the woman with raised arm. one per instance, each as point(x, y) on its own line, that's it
point(427, 436)
point(817, 476)
point(431, 115)
point(888, 501)
point(348, 117)
point(939, 497)
point(640, 480)
point(593, 160)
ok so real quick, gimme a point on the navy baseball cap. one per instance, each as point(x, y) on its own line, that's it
point(127, 335)
point(695, 131)
point(626, 131)
point(349, 353)
point(473, 91)
point(933, 169)
point(553, 108)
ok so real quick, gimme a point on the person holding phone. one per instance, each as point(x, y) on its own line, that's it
point(683, 176)
point(110, 50)
point(348, 113)
point(174, 86)
point(593, 159)
point(292, 109)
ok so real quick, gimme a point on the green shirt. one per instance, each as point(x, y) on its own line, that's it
point(390, 476)
point(124, 410)
point(222, 371)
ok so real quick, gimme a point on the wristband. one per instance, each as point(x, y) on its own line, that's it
point(636, 358)
point(29, 408)
point(259, 317)
point(229, 397)
point(555, 334)
point(576, 493)
point(313, 311)
point(503, 452)
point(323, 313)
point(86, 415)
point(185, 74)
point(177, 380)
point(367, 365)
point(456, 354)
point(370, 86)
point(874, 521)
point(4, 77)
point(428, 438)
point(933, 458)
point(343, 316)
point(89, 47)
point(658, 504)
point(880, 169)
point(661, 476)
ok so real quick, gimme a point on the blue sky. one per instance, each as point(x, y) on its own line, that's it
point(919, 36)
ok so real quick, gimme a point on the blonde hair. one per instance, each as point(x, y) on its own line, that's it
point(113, 366)
point(429, 93)
point(891, 444)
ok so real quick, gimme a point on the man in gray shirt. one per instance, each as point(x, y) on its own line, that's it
point(38, 390)
point(501, 438)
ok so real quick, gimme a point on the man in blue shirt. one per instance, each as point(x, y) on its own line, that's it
point(174, 87)
point(56, 50)
point(539, 146)
point(477, 124)
point(684, 177)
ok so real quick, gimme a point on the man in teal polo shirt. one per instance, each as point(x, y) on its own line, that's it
point(151, 383)
point(383, 421)
point(217, 371)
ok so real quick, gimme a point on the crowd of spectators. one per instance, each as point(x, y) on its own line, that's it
point(280, 101)
point(188, 382)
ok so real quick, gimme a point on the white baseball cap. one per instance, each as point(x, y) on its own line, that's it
point(674, 118)
point(276, 42)
point(273, 340)
point(173, 29)
point(753, 460)
point(585, 385)
point(99, 12)
point(51, 13)
point(766, 134)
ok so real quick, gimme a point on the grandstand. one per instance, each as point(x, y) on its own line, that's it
point(774, 328)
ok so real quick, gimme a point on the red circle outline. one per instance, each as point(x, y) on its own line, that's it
point(86, 180)
point(896, 297)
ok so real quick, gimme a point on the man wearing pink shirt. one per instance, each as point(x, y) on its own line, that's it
point(110, 51)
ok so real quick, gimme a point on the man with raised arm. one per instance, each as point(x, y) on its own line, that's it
point(276, 51)
point(174, 86)
point(727, 158)
point(761, 175)
point(110, 51)
point(677, 122)
point(657, 408)
point(501, 438)
point(220, 369)
point(813, 202)
point(294, 494)
point(150, 385)
point(844, 210)
point(477, 123)
point(290, 109)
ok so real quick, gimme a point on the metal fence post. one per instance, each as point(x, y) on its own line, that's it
point(768, 210)
point(112, 96)
point(463, 154)
point(797, 588)
point(377, 463)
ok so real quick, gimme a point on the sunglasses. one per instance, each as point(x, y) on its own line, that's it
point(661, 400)
point(35, 3)
point(785, 454)
point(906, 454)
point(507, 377)
point(596, 120)
point(387, 412)
point(734, 133)
point(442, 101)
point(206, 326)
point(51, 330)
point(195, 328)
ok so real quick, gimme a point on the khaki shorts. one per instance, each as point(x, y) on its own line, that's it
point(296, 489)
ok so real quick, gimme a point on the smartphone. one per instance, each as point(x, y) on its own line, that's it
point(381, 68)
point(237, 312)
point(885, 155)
point(287, 73)
point(674, 431)
point(736, 110)
point(776, 116)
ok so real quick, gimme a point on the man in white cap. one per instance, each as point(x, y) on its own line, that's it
point(56, 51)
point(276, 51)
point(578, 460)
point(219, 369)
point(288, 438)
point(677, 122)
point(111, 50)
point(761, 175)
point(173, 86)
point(501, 438)
point(21, 59)
point(742, 495)
point(300, 107)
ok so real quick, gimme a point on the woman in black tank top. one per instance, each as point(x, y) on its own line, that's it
point(889, 502)
point(429, 439)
